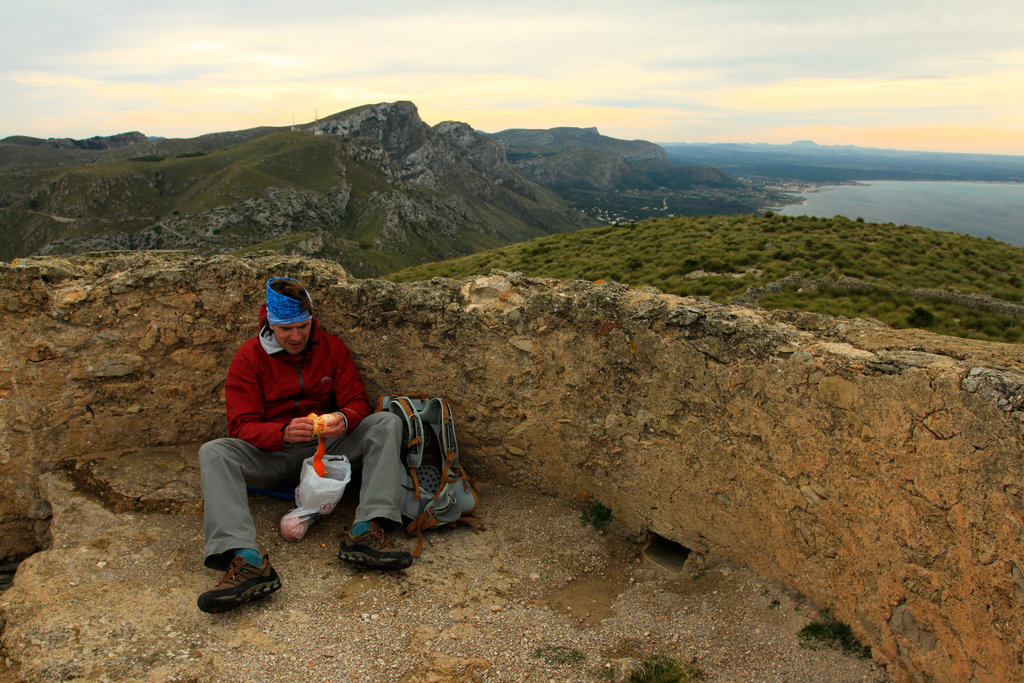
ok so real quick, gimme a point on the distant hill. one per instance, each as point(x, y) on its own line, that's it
point(905, 276)
point(94, 143)
point(374, 188)
point(616, 180)
point(804, 160)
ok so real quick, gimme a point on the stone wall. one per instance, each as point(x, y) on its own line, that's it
point(877, 472)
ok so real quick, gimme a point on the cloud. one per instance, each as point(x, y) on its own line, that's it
point(660, 70)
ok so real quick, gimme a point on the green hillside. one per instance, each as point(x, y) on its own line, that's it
point(747, 258)
point(288, 191)
point(128, 194)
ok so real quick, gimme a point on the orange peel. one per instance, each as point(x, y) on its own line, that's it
point(319, 425)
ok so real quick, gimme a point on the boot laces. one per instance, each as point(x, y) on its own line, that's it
point(229, 576)
point(380, 537)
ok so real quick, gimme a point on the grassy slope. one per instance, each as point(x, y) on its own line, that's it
point(132, 188)
point(722, 256)
point(130, 192)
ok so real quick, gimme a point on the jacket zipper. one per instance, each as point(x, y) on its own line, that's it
point(302, 389)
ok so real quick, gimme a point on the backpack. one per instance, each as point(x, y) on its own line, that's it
point(437, 490)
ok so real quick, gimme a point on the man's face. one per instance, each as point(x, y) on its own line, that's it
point(292, 337)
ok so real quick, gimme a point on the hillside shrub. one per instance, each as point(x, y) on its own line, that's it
point(921, 317)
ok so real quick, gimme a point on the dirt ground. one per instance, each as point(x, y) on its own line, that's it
point(536, 596)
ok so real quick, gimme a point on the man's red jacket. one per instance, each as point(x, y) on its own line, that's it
point(264, 391)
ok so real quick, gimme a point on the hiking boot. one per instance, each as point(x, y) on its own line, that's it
point(242, 582)
point(373, 548)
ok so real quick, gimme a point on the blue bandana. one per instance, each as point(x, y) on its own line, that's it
point(284, 310)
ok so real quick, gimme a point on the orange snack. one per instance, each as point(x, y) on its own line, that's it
point(319, 423)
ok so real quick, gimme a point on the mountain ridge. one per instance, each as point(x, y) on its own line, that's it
point(562, 158)
point(374, 188)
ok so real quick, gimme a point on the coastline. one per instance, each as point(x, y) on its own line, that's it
point(979, 208)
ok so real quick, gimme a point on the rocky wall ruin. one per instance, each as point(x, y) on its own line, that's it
point(878, 472)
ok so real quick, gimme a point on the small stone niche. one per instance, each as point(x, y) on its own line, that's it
point(668, 555)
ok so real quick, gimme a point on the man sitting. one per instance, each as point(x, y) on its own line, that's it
point(290, 369)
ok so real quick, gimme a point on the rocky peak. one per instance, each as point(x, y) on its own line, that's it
point(441, 157)
point(396, 125)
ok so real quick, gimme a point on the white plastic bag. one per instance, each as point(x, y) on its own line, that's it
point(316, 496)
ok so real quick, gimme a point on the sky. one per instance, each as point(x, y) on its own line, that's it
point(944, 75)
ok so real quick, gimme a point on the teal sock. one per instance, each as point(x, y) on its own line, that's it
point(360, 527)
point(250, 555)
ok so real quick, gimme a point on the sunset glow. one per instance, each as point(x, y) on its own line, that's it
point(866, 73)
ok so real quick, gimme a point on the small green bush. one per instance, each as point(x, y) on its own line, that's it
point(596, 515)
point(921, 317)
point(834, 634)
point(662, 669)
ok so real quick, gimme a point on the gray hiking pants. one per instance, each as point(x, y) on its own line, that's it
point(229, 465)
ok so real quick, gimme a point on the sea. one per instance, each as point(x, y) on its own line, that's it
point(993, 210)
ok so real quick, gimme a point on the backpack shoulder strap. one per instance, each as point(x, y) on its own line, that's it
point(405, 408)
point(437, 414)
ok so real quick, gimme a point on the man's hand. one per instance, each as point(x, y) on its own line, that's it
point(298, 430)
point(301, 428)
point(334, 425)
